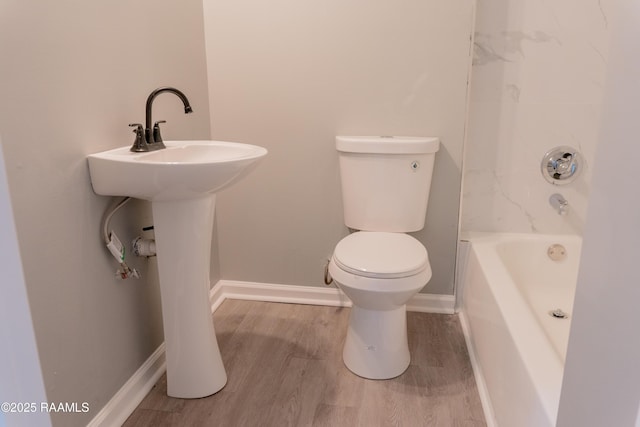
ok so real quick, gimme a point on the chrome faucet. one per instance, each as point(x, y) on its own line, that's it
point(152, 135)
point(559, 203)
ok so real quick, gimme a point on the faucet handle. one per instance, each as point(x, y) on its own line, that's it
point(140, 144)
point(561, 165)
point(157, 138)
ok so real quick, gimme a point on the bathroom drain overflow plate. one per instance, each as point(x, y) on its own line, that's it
point(558, 314)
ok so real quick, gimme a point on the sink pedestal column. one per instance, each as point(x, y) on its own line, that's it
point(183, 231)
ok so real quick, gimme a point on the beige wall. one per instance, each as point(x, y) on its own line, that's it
point(73, 75)
point(291, 75)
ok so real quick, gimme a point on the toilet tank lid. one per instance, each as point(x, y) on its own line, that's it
point(388, 144)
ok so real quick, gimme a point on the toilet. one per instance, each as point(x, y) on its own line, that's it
point(385, 190)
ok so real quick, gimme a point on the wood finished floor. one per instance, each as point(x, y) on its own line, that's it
point(284, 367)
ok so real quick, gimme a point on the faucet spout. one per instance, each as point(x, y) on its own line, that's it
point(559, 203)
point(149, 120)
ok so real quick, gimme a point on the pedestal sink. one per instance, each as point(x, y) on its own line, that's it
point(181, 182)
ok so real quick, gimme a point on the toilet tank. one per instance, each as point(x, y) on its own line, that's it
point(386, 181)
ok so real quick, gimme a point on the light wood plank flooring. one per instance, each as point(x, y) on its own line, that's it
point(284, 364)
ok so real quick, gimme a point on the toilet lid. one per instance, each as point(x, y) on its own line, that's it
point(381, 254)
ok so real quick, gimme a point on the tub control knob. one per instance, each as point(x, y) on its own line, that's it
point(561, 165)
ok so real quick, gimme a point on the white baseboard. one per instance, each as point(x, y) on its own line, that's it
point(232, 289)
point(125, 401)
point(269, 292)
point(462, 255)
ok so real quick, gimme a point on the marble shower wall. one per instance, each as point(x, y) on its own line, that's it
point(537, 83)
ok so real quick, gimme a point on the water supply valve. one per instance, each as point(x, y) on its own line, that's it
point(126, 272)
point(117, 250)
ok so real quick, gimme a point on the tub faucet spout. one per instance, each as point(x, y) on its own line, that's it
point(559, 203)
point(153, 134)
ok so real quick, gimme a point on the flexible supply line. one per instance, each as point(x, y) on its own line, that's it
point(113, 243)
point(327, 276)
point(107, 218)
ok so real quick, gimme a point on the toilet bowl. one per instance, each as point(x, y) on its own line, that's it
point(379, 272)
point(385, 191)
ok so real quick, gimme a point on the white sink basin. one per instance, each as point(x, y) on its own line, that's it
point(185, 169)
point(181, 182)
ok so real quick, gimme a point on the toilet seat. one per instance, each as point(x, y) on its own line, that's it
point(381, 255)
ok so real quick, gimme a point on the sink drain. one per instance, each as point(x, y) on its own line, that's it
point(558, 314)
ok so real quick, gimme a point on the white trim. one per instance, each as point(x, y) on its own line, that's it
point(268, 292)
point(125, 401)
point(216, 297)
point(483, 391)
point(313, 295)
point(432, 303)
point(462, 254)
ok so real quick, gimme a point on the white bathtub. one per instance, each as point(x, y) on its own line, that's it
point(509, 285)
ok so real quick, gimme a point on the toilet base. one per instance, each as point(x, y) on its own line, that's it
point(376, 346)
